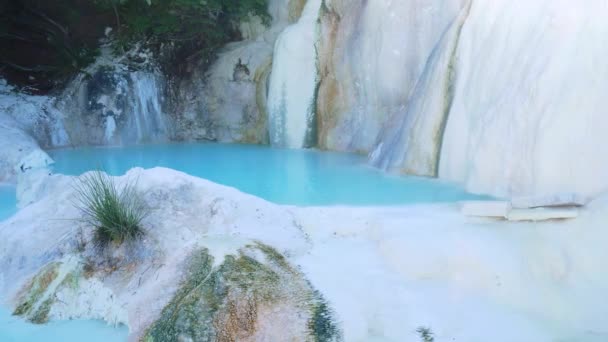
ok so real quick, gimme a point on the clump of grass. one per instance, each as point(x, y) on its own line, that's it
point(426, 334)
point(116, 214)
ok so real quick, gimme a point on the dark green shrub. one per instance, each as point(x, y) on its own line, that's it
point(426, 334)
point(116, 214)
point(44, 43)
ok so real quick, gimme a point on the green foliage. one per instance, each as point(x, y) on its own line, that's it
point(116, 214)
point(426, 334)
point(194, 24)
point(35, 289)
point(43, 43)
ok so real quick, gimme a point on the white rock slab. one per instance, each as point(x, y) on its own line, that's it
point(486, 208)
point(542, 214)
point(556, 200)
point(385, 271)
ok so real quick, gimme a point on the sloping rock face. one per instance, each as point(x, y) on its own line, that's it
point(254, 295)
point(198, 274)
point(371, 56)
point(23, 117)
point(66, 289)
point(468, 91)
point(19, 152)
point(34, 115)
point(217, 264)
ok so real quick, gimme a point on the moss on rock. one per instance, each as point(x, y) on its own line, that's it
point(41, 315)
point(38, 296)
point(242, 299)
point(35, 289)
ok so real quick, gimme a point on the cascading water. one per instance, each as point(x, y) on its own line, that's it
point(115, 106)
point(411, 140)
point(293, 81)
point(372, 56)
point(146, 122)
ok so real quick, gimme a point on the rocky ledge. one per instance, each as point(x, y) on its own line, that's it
point(219, 265)
point(200, 273)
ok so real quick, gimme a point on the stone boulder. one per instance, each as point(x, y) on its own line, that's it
point(213, 265)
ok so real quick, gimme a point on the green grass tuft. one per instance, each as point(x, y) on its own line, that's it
point(426, 334)
point(115, 213)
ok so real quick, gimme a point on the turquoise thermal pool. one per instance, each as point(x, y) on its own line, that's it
point(8, 202)
point(15, 329)
point(294, 177)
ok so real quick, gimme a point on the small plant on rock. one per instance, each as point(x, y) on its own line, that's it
point(115, 213)
point(426, 334)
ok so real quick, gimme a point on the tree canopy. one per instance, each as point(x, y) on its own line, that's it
point(43, 42)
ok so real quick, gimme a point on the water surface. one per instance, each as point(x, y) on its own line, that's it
point(297, 177)
point(14, 329)
point(8, 201)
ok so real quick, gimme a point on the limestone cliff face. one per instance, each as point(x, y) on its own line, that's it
point(411, 140)
point(528, 114)
point(468, 91)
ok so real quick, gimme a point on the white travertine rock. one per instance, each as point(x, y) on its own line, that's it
point(557, 200)
point(373, 57)
point(30, 185)
point(19, 152)
point(226, 102)
point(410, 141)
point(542, 214)
point(112, 104)
point(36, 159)
point(201, 214)
point(34, 115)
point(384, 271)
point(506, 97)
point(498, 209)
point(528, 116)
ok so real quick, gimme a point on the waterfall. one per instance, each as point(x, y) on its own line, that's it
point(293, 81)
point(372, 57)
point(411, 140)
point(145, 120)
point(113, 105)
